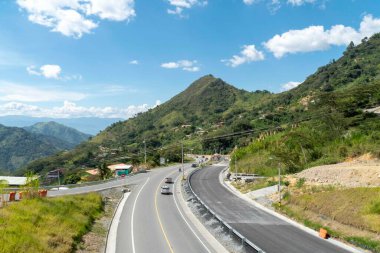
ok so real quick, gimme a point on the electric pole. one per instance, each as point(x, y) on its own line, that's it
point(59, 179)
point(279, 184)
point(145, 152)
point(183, 169)
point(235, 163)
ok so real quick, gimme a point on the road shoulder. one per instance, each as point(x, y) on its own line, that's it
point(200, 228)
point(112, 233)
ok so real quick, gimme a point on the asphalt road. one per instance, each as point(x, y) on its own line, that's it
point(135, 179)
point(270, 233)
point(152, 222)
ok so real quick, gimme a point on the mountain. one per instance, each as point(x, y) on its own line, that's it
point(18, 147)
point(331, 103)
point(89, 125)
point(59, 131)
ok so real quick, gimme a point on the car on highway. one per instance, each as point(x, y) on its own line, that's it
point(194, 165)
point(165, 189)
point(168, 180)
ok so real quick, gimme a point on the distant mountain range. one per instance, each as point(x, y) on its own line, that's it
point(53, 129)
point(19, 146)
point(334, 96)
point(88, 125)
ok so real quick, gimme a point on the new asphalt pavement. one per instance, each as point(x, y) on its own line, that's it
point(268, 232)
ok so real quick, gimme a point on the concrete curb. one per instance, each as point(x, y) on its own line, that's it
point(310, 231)
point(201, 229)
point(112, 232)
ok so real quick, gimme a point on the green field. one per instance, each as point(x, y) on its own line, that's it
point(47, 224)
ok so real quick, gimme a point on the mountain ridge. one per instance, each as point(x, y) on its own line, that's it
point(210, 107)
point(59, 131)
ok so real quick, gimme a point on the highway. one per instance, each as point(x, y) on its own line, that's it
point(152, 222)
point(131, 180)
point(270, 233)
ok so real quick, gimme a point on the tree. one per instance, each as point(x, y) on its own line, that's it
point(72, 179)
point(104, 171)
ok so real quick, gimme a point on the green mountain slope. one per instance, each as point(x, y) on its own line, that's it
point(59, 131)
point(330, 103)
point(18, 147)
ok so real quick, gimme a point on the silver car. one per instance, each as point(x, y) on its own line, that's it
point(165, 189)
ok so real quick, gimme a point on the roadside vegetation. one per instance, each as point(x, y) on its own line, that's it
point(257, 184)
point(48, 224)
point(350, 214)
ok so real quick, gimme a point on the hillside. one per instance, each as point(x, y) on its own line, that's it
point(18, 147)
point(59, 131)
point(334, 107)
point(208, 106)
point(329, 108)
point(88, 125)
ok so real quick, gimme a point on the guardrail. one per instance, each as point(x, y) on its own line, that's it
point(231, 230)
point(70, 186)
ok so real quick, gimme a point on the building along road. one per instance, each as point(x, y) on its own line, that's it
point(268, 232)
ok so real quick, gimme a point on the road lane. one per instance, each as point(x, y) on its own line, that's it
point(135, 179)
point(158, 226)
point(265, 230)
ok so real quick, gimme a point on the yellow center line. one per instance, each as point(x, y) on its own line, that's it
point(159, 219)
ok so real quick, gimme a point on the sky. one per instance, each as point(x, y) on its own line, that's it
point(115, 58)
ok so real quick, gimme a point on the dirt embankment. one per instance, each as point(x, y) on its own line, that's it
point(361, 172)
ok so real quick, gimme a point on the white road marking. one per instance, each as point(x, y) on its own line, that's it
point(111, 241)
point(133, 214)
point(183, 217)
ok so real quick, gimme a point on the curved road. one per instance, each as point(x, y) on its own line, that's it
point(151, 222)
point(270, 233)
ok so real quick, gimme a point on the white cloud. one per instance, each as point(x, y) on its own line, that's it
point(117, 10)
point(134, 62)
point(248, 54)
point(316, 38)
point(72, 110)
point(300, 2)
point(22, 93)
point(275, 5)
point(249, 2)
point(49, 71)
point(180, 5)
point(289, 85)
point(186, 65)
point(74, 18)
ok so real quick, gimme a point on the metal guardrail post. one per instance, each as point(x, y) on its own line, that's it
point(231, 230)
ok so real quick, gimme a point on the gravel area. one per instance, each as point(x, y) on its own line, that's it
point(359, 173)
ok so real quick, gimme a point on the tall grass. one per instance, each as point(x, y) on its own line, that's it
point(47, 224)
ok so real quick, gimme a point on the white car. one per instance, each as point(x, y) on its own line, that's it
point(165, 189)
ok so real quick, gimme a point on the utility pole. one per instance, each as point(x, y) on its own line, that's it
point(183, 169)
point(235, 163)
point(279, 184)
point(59, 179)
point(145, 152)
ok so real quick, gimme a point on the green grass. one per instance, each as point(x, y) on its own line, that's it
point(356, 207)
point(256, 185)
point(47, 224)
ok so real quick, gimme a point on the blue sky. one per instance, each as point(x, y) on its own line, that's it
point(113, 58)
